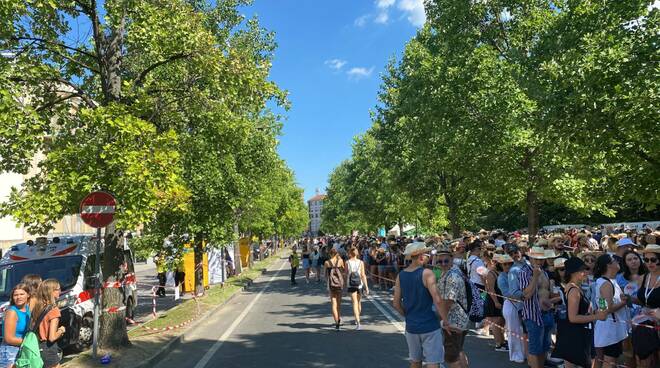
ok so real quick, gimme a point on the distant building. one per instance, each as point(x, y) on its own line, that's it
point(315, 205)
point(12, 232)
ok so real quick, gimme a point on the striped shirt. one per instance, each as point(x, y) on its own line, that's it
point(531, 308)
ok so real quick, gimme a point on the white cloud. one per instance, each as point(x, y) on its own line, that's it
point(360, 72)
point(335, 64)
point(414, 10)
point(382, 17)
point(362, 21)
point(384, 4)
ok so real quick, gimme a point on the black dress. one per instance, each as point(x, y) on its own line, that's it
point(489, 308)
point(645, 340)
point(574, 340)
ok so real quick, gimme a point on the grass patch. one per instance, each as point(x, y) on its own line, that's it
point(215, 295)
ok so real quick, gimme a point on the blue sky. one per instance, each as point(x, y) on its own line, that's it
point(330, 57)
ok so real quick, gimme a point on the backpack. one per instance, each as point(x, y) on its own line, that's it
point(475, 303)
point(354, 279)
point(29, 355)
point(336, 279)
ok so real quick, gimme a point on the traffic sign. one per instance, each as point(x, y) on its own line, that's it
point(98, 209)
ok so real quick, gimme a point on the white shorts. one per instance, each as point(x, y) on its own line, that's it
point(427, 347)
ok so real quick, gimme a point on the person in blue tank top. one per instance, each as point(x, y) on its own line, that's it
point(415, 294)
point(15, 324)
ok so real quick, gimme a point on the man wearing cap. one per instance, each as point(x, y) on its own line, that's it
point(622, 246)
point(415, 294)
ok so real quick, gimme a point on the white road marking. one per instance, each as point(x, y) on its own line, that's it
point(218, 344)
point(387, 314)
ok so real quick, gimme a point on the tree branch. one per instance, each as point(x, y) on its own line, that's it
point(140, 79)
point(58, 44)
point(57, 101)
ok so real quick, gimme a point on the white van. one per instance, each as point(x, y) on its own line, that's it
point(70, 260)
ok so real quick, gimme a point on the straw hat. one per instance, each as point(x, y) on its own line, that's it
point(549, 253)
point(502, 258)
point(559, 262)
point(652, 248)
point(536, 253)
point(416, 248)
point(595, 253)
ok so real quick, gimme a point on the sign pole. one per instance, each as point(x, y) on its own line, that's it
point(97, 294)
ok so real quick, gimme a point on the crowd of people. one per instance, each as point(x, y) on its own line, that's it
point(32, 308)
point(577, 297)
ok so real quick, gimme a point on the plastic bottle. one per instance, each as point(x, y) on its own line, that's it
point(602, 304)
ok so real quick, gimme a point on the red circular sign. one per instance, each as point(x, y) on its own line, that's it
point(98, 209)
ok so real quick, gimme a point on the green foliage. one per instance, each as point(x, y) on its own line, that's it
point(513, 106)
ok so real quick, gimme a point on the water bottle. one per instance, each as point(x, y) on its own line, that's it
point(602, 304)
point(105, 359)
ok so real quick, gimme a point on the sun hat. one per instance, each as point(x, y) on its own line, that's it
point(652, 248)
point(416, 248)
point(502, 258)
point(559, 262)
point(573, 265)
point(536, 253)
point(550, 253)
point(595, 253)
point(625, 241)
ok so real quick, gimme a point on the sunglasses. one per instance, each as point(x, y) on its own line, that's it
point(560, 269)
point(444, 261)
point(589, 260)
point(651, 260)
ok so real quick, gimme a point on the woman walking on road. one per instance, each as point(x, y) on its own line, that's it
point(306, 261)
point(316, 263)
point(357, 283)
point(335, 270)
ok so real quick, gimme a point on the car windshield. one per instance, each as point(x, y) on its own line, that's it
point(64, 269)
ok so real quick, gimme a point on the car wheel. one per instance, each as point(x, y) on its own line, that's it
point(86, 334)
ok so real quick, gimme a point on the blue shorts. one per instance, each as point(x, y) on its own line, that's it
point(539, 336)
point(427, 347)
point(8, 354)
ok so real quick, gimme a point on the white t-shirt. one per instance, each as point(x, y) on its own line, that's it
point(611, 330)
point(473, 263)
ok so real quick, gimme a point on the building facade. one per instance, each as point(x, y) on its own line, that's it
point(12, 232)
point(315, 205)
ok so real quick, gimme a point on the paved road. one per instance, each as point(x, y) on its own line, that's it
point(146, 276)
point(276, 325)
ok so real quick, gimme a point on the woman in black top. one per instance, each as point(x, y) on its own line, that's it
point(574, 333)
point(646, 343)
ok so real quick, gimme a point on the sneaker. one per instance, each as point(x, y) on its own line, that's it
point(501, 348)
point(358, 327)
point(550, 364)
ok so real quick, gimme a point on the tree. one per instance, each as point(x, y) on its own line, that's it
point(164, 105)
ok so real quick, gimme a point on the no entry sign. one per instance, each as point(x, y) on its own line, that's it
point(98, 209)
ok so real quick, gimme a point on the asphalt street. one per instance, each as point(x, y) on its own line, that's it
point(273, 324)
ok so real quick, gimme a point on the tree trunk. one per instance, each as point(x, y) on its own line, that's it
point(532, 214)
point(112, 326)
point(453, 216)
point(238, 267)
point(199, 266)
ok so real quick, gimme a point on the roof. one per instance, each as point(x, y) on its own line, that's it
point(317, 197)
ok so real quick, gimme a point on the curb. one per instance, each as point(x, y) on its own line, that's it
point(174, 343)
